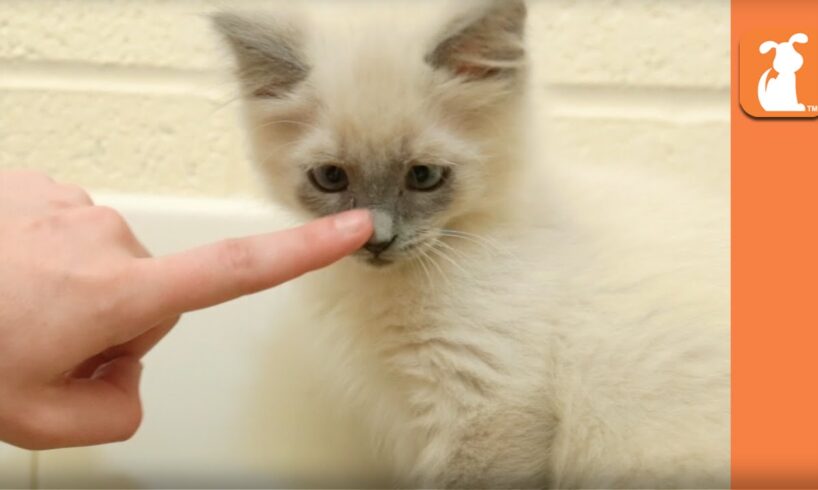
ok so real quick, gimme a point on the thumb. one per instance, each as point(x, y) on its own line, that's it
point(82, 412)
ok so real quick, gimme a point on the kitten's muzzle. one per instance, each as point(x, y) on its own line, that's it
point(377, 247)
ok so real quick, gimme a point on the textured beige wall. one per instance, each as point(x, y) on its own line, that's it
point(131, 95)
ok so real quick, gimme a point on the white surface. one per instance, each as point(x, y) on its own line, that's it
point(15, 467)
point(224, 406)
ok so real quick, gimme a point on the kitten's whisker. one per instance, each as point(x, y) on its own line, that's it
point(277, 154)
point(421, 262)
point(441, 253)
point(227, 101)
point(447, 162)
point(464, 233)
point(440, 270)
point(463, 256)
point(454, 250)
point(486, 248)
point(275, 122)
point(497, 246)
point(484, 242)
point(285, 146)
point(430, 280)
point(490, 246)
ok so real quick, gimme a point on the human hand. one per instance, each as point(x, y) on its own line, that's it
point(81, 301)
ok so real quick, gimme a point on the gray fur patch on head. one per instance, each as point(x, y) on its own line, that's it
point(487, 42)
point(267, 53)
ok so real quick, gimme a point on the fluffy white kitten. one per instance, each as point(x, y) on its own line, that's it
point(508, 325)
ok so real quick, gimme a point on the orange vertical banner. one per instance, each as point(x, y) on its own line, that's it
point(775, 243)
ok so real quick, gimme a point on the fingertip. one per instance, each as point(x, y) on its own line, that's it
point(355, 224)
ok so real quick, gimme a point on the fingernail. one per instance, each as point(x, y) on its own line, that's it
point(352, 222)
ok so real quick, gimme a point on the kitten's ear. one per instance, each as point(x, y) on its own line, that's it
point(487, 42)
point(267, 51)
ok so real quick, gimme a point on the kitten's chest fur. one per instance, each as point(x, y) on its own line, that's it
point(556, 343)
point(417, 319)
point(479, 305)
point(428, 347)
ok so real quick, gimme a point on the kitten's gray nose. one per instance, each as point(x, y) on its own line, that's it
point(378, 247)
point(383, 236)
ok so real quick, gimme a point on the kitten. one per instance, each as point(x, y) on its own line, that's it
point(507, 325)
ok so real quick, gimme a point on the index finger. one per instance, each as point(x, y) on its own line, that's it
point(223, 271)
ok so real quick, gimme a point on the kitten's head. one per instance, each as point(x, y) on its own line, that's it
point(415, 117)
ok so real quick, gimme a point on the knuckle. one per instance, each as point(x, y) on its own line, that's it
point(106, 307)
point(108, 287)
point(109, 219)
point(74, 194)
point(106, 214)
point(48, 224)
point(111, 290)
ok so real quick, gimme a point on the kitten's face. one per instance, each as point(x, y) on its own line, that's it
point(414, 178)
point(407, 129)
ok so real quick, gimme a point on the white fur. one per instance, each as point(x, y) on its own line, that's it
point(577, 337)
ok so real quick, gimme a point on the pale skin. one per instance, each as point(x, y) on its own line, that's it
point(82, 301)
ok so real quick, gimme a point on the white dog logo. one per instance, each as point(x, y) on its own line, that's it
point(779, 94)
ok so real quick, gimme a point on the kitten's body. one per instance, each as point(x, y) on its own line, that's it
point(566, 357)
point(575, 341)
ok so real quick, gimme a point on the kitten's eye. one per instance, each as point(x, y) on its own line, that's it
point(329, 178)
point(426, 178)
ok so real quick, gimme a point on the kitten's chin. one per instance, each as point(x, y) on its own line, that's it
point(391, 259)
point(373, 262)
point(379, 263)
